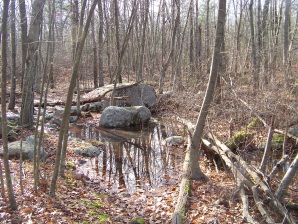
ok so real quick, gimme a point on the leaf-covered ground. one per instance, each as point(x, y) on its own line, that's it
point(80, 199)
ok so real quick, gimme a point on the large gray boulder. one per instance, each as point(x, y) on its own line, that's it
point(129, 94)
point(27, 150)
point(121, 117)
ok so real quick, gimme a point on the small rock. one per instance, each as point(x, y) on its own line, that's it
point(293, 131)
point(174, 140)
point(56, 121)
point(73, 119)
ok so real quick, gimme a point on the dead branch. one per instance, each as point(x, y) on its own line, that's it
point(246, 216)
point(256, 179)
point(280, 163)
point(259, 204)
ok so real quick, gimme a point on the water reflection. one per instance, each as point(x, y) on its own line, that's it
point(132, 158)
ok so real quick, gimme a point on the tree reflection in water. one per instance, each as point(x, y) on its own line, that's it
point(133, 158)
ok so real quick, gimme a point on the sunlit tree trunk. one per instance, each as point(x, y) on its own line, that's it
point(196, 172)
point(10, 192)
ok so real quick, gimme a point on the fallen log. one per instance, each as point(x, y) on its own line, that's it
point(83, 101)
point(181, 206)
point(240, 179)
point(256, 177)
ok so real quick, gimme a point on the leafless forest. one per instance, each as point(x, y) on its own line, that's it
point(225, 74)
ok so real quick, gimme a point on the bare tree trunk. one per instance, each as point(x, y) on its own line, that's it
point(177, 83)
point(13, 56)
point(191, 40)
point(100, 45)
point(166, 64)
point(198, 43)
point(207, 46)
point(52, 45)
point(121, 51)
point(196, 172)
point(254, 51)
point(142, 54)
point(30, 71)
point(286, 40)
point(23, 15)
point(265, 41)
point(10, 192)
point(66, 114)
point(95, 60)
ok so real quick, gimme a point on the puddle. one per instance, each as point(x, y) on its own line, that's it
point(133, 159)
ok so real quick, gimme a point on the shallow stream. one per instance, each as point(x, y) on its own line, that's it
point(133, 159)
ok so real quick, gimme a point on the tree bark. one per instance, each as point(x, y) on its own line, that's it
point(27, 108)
point(11, 104)
point(24, 27)
point(286, 39)
point(10, 192)
point(100, 45)
point(196, 172)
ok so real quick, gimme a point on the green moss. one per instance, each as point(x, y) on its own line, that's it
point(278, 138)
point(69, 182)
point(100, 195)
point(138, 220)
point(70, 164)
point(94, 204)
point(100, 216)
point(132, 108)
point(254, 123)
point(236, 140)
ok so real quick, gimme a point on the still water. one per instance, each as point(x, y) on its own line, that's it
point(135, 158)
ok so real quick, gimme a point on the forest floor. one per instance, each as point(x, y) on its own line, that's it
point(83, 200)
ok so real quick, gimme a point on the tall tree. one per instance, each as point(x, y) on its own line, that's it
point(166, 61)
point(27, 108)
point(24, 27)
point(196, 172)
point(256, 70)
point(286, 39)
point(66, 115)
point(145, 13)
point(100, 44)
point(13, 56)
point(9, 186)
